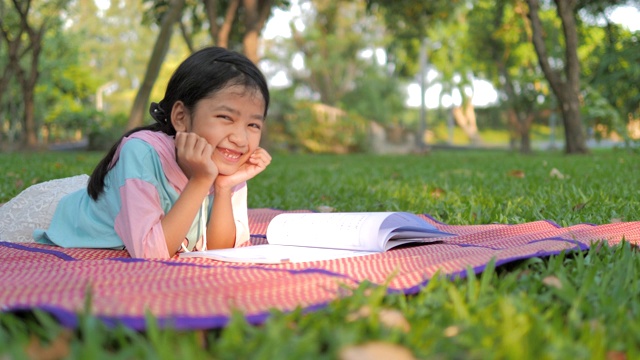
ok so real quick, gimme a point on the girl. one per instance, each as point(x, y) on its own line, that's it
point(179, 184)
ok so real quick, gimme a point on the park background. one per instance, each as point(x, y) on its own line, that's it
point(346, 76)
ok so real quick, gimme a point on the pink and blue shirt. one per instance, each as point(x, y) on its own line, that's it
point(144, 182)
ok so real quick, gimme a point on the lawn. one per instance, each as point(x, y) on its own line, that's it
point(578, 305)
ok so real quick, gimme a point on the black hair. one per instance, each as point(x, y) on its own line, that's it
point(201, 75)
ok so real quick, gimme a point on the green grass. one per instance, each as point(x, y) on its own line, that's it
point(490, 137)
point(578, 305)
point(464, 187)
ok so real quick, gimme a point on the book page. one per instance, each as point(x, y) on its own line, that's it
point(274, 254)
point(350, 231)
point(403, 220)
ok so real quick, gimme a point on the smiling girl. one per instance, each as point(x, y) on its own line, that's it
point(179, 184)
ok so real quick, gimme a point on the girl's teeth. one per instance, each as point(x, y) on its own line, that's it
point(230, 154)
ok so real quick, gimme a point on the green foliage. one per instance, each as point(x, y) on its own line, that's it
point(409, 22)
point(114, 45)
point(505, 53)
point(104, 131)
point(610, 64)
point(318, 128)
point(600, 115)
point(331, 46)
point(577, 305)
point(377, 96)
point(338, 47)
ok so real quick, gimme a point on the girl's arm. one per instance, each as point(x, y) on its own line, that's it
point(221, 230)
point(194, 157)
point(177, 222)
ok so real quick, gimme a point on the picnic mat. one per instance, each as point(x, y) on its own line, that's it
point(197, 293)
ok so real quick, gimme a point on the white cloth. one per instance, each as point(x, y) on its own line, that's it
point(33, 208)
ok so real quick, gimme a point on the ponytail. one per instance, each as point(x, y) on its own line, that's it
point(163, 124)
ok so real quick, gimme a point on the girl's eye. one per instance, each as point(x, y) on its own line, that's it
point(256, 126)
point(225, 117)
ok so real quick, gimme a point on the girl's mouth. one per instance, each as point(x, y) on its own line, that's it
point(230, 154)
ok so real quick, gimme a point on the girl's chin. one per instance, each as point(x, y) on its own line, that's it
point(226, 169)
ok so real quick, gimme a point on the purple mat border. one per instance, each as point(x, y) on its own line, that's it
point(57, 253)
point(479, 269)
point(71, 320)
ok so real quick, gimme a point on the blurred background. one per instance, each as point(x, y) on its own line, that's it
point(375, 76)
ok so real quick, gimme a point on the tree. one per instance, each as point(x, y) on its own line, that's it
point(255, 14)
point(169, 17)
point(615, 60)
point(410, 22)
point(330, 45)
point(499, 41)
point(65, 95)
point(441, 22)
point(564, 79)
point(343, 79)
point(116, 44)
point(456, 69)
point(23, 30)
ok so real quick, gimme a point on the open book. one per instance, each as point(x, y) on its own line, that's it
point(301, 237)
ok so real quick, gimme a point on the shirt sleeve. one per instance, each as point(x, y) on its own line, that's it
point(241, 214)
point(139, 221)
point(138, 175)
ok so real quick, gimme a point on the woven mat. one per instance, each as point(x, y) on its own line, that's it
point(202, 294)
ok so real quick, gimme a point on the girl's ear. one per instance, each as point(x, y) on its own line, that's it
point(180, 116)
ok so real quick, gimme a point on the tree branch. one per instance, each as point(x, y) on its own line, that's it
point(211, 8)
point(185, 35)
point(264, 12)
point(541, 50)
point(229, 18)
point(566, 13)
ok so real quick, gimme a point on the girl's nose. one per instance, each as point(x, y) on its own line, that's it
point(238, 135)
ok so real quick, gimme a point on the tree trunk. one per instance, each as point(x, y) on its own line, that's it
point(465, 117)
point(574, 130)
point(13, 47)
point(519, 126)
point(525, 143)
point(188, 37)
point(514, 128)
point(30, 130)
point(525, 133)
point(139, 108)
point(567, 92)
point(28, 79)
point(250, 38)
point(255, 16)
point(229, 18)
point(211, 8)
point(4, 80)
point(30, 86)
point(575, 137)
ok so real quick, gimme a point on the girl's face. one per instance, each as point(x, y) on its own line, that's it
point(231, 121)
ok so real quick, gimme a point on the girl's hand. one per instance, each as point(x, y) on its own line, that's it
point(193, 154)
point(257, 162)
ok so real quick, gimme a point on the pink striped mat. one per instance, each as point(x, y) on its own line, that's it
point(201, 293)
